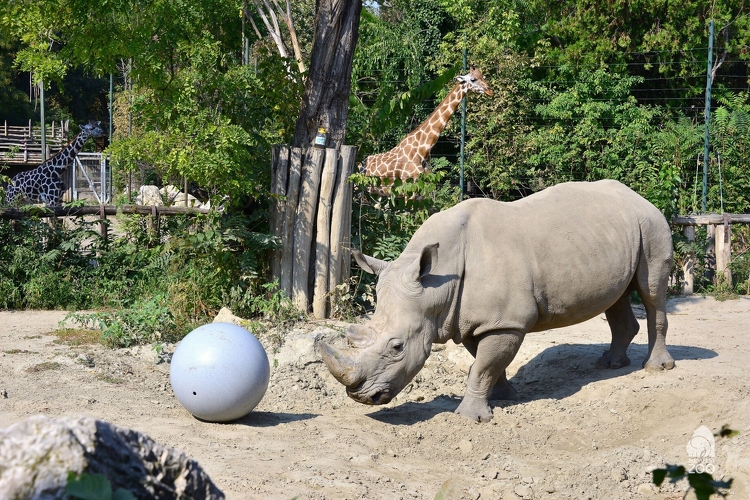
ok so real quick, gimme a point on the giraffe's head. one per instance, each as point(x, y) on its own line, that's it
point(474, 82)
point(93, 129)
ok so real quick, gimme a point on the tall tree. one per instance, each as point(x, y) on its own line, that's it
point(326, 99)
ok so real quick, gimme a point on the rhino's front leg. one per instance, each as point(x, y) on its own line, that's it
point(495, 351)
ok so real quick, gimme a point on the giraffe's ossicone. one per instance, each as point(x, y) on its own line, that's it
point(44, 184)
point(408, 159)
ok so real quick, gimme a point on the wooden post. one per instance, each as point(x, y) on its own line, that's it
point(103, 223)
point(710, 269)
point(30, 131)
point(723, 239)
point(688, 265)
point(303, 226)
point(341, 219)
point(279, 177)
point(323, 234)
point(287, 229)
point(5, 133)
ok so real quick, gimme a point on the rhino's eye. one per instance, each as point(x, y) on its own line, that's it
point(397, 346)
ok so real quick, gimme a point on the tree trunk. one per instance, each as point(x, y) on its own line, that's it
point(326, 99)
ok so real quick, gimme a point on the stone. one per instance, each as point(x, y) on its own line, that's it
point(37, 454)
point(149, 195)
point(524, 491)
point(176, 198)
point(298, 349)
point(465, 446)
point(226, 316)
point(619, 474)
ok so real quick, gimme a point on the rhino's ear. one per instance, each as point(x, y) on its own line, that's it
point(369, 264)
point(427, 262)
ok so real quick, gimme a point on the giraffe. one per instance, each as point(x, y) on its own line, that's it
point(44, 184)
point(408, 159)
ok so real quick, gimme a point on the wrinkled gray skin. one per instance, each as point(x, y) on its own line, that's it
point(485, 273)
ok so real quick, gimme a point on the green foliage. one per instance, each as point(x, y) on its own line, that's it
point(94, 487)
point(143, 322)
point(702, 483)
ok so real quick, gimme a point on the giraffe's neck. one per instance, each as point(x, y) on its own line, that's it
point(61, 160)
point(431, 128)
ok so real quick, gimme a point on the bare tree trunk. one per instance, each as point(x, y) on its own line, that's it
point(326, 99)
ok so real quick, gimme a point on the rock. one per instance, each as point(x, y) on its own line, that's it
point(299, 348)
point(619, 474)
point(646, 489)
point(37, 454)
point(226, 316)
point(465, 446)
point(524, 491)
point(149, 195)
point(176, 198)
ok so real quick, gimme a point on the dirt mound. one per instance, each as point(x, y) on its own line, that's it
point(576, 432)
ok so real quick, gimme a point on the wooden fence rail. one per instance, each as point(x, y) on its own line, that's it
point(102, 211)
point(23, 144)
point(718, 243)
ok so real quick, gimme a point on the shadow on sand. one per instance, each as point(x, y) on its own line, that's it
point(555, 373)
point(267, 418)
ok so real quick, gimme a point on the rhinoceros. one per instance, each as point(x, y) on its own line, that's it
point(485, 273)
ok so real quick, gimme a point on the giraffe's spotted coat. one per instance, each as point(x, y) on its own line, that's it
point(408, 159)
point(44, 184)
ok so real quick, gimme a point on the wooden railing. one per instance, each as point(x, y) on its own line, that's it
point(23, 144)
point(718, 243)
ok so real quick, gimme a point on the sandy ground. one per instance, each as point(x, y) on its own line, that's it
point(577, 432)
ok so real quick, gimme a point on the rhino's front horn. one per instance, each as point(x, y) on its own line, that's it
point(342, 366)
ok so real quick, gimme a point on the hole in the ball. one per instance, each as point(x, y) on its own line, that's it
point(194, 393)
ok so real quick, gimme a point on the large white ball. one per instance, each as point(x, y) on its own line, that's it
point(219, 372)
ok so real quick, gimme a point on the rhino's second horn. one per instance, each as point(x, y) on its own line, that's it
point(342, 366)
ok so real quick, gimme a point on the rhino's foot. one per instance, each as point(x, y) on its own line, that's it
point(475, 409)
point(659, 361)
point(608, 360)
point(503, 390)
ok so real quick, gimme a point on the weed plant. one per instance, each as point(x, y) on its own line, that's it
point(147, 284)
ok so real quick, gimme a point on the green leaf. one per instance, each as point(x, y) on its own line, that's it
point(89, 487)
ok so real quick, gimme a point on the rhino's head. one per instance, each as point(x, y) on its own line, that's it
point(387, 353)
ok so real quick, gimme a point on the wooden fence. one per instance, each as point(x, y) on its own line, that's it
point(154, 211)
point(719, 243)
point(312, 219)
point(23, 145)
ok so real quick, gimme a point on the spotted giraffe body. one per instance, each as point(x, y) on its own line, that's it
point(409, 158)
point(44, 184)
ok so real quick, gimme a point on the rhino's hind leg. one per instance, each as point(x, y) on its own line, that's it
point(658, 358)
point(494, 352)
point(624, 327)
point(651, 282)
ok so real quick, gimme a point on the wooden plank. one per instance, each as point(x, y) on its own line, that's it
point(688, 264)
point(162, 210)
point(723, 248)
point(303, 226)
point(40, 211)
point(323, 234)
point(341, 217)
point(704, 220)
point(287, 230)
point(279, 176)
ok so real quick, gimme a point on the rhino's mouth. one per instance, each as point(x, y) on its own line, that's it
point(373, 396)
